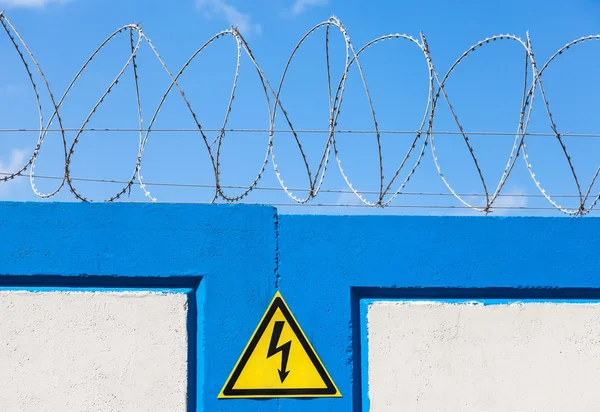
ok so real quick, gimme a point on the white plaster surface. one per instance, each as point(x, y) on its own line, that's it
point(93, 352)
point(427, 356)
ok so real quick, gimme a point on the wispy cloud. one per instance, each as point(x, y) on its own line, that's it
point(510, 202)
point(29, 3)
point(347, 198)
point(15, 162)
point(12, 89)
point(301, 5)
point(219, 8)
point(350, 204)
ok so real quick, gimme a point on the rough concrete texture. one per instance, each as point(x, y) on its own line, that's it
point(325, 267)
point(93, 351)
point(531, 357)
point(225, 253)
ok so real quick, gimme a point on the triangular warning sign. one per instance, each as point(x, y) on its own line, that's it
point(279, 361)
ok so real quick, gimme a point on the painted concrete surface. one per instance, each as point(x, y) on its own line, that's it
point(93, 351)
point(233, 258)
point(328, 265)
point(431, 356)
point(225, 254)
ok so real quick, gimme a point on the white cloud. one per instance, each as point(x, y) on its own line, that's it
point(15, 162)
point(301, 5)
point(236, 18)
point(510, 202)
point(12, 89)
point(29, 3)
point(348, 198)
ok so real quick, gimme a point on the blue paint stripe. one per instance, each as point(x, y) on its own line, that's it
point(483, 293)
point(96, 289)
point(357, 366)
point(99, 281)
point(192, 361)
point(485, 302)
point(198, 346)
point(364, 355)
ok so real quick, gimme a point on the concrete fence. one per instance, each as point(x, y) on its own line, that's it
point(181, 308)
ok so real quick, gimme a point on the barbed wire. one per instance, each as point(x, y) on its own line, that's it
point(387, 191)
point(308, 131)
point(295, 189)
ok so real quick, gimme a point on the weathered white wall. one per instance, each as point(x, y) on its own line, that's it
point(461, 357)
point(93, 351)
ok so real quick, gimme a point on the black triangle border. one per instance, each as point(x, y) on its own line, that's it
point(278, 303)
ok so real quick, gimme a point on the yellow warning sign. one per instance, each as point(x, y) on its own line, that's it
point(279, 361)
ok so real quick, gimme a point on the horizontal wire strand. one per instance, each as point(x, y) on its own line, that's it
point(279, 189)
point(214, 130)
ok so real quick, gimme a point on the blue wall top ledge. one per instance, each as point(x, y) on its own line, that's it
point(131, 239)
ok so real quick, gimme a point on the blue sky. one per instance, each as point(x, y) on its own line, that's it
point(485, 91)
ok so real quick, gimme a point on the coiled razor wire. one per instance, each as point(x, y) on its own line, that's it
point(388, 190)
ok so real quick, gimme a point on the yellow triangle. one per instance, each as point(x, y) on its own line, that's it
point(279, 361)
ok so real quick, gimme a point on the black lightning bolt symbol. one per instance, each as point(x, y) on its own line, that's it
point(284, 349)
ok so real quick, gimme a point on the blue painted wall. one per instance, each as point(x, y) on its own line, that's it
point(226, 253)
point(233, 257)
